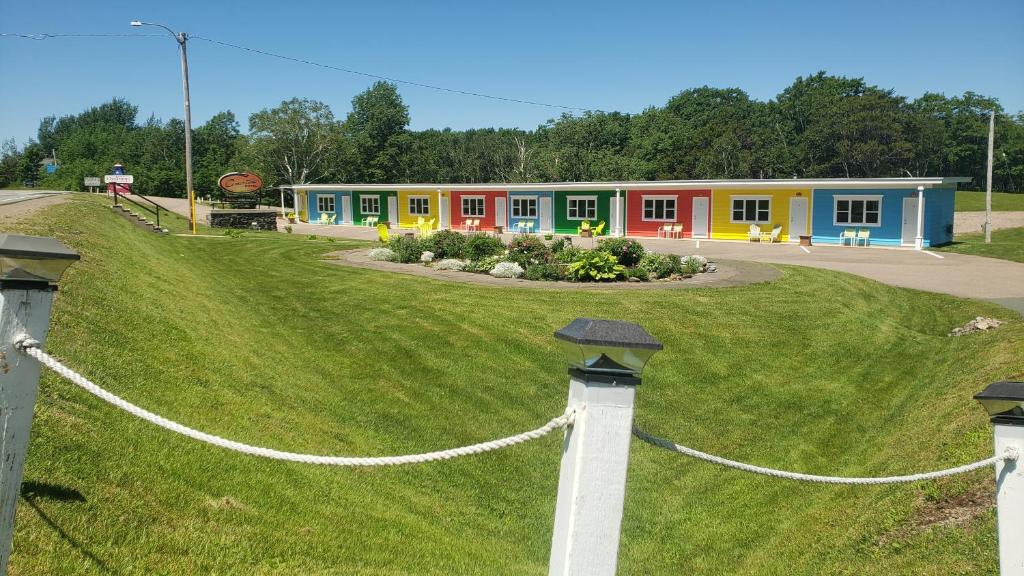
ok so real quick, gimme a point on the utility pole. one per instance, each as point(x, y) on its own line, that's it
point(988, 183)
point(182, 40)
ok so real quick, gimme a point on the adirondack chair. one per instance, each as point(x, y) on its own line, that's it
point(324, 219)
point(585, 225)
point(332, 218)
point(754, 233)
point(599, 229)
point(382, 233)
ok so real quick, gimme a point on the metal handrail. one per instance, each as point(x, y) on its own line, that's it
point(143, 206)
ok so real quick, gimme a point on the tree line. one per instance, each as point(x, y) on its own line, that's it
point(820, 126)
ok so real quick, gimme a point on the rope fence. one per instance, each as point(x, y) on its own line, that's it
point(1009, 455)
point(31, 348)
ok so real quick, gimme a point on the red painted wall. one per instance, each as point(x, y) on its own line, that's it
point(487, 220)
point(635, 224)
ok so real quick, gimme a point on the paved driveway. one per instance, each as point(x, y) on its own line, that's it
point(15, 196)
point(961, 275)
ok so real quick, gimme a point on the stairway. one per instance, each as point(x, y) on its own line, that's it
point(138, 219)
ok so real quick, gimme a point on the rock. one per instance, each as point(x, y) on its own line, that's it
point(711, 268)
point(633, 279)
point(977, 325)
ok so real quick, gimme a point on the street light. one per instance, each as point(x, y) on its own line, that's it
point(182, 40)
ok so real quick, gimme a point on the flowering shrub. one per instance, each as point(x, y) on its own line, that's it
point(450, 264)
point(427, 257)
point(626, 250)
point(527, 250)
point(381, 254)
point(507, 270)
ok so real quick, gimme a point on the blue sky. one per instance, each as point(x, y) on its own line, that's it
point(603, 55)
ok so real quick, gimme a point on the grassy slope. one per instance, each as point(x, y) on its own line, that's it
point(1007, 244)
point(973, 201)
point(256, 339)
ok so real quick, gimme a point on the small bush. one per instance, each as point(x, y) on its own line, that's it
point(479, 246)
point(507, 270)
point(233, 233)
point(570, 254)
point(549, 272)
point(446, 244)
point(407, 248)
point(693, 264)
point(311, 237)
point(640, 274)
point(561, 244)
point(596, 266)
point(288, 228)
point(427, 257)
point(627, 250)
point(381, 254)
point(527, 250)
point(450, 264)
point(482, 265)
point(660, 265)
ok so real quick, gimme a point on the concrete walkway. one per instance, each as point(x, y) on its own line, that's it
point(998, 281)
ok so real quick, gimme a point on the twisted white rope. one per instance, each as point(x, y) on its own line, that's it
point(1010, 454)
point(31, 348)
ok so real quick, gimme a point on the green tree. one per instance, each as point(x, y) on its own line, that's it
point(294, 143)
point(376, 127)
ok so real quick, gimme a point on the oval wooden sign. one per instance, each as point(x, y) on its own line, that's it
point(240, 182)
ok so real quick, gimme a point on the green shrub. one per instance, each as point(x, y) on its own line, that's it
point(561, 244)
point(569, 254)
point(596, 266)
point(640, 274)
point(527, 250)
point(550, 272)
point(479, 246)
point(407, 249)
point(692, 265)
point(484, 264)
point(445, 244)
point(627, 250)
point(660, 265)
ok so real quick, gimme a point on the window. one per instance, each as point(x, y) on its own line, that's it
point(324, 203)
point(473, 206)
point(369, 204)
point(860, 210)
point(660, 208)
point(751, 210)
point(582, 208)
point(524, 207)
point(419, 205)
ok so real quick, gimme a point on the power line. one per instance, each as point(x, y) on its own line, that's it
point(389, 78)
point(44, 36)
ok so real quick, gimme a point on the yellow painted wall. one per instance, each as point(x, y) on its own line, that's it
point(406, 220)
point(721, 212)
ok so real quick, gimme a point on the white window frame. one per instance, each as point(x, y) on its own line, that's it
point(483, 206)
point(854, 197)
point(515, 200)
point(362, 207)
point(568, 202)
point(426, 203)
point(675, 208)
point(330, 197)
point(732, 204)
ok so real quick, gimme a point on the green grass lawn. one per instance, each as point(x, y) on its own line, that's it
point(972, 201)
point(1007, 243)
point(259, 340)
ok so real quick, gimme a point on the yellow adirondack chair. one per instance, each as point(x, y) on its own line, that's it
point(382, 233)
point(599, 229)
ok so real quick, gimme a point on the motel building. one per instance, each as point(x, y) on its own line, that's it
point(909, 212)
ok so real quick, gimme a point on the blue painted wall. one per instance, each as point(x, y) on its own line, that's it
point(314, 214)
point(938, 214)
point(536, 221)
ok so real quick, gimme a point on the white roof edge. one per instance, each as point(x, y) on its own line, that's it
point(650, 185)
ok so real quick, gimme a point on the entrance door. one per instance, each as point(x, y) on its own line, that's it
point(393, 210)
point(346, 210)
point(443, 213)
point(699, 221)
point(499, 212)
point(909, 221)
point(797, 218)
point(613, 215)
point(545, 214)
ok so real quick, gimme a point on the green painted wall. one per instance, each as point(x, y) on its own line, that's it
point(563, 225)
point(357, 215)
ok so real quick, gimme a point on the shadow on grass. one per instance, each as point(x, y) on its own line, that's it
point(32, 491)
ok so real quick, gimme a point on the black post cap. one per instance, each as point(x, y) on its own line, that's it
point(32, 261)
point(611, 347)
point(1004, 402)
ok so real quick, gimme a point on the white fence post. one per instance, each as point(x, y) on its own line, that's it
point(29, 270)
point(606, 359)
point(1004, 401)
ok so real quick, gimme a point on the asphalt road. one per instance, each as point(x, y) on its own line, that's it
point(15, 196)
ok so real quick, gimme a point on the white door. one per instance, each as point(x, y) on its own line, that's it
point(909, 221)
point(613, 216)
point(545, 214)
point(699, 221)
point(499, 212)
point(346, 210)
point(443, 213)
point(797, 218)
point(393, 211)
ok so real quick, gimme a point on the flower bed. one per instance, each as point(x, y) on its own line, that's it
point(529, 257)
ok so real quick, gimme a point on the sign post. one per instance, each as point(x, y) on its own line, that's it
point(92, 183)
